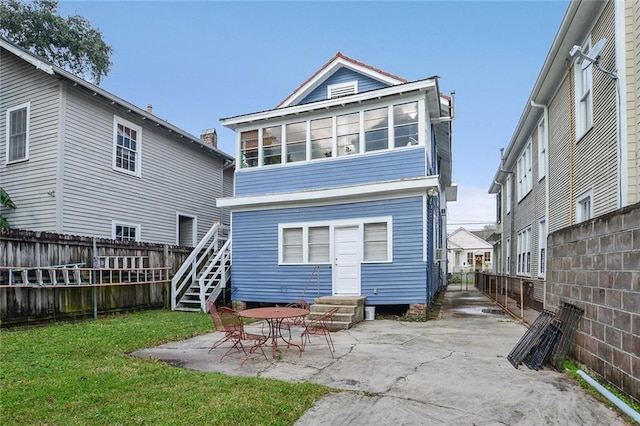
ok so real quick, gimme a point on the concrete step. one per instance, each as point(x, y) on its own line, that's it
point(350, 310)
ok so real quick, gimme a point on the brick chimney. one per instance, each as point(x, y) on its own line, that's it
point(209, 137)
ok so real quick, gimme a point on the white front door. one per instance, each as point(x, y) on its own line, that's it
point(346, 261)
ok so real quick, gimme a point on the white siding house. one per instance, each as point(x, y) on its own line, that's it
point(79, 160)
point(468, 252)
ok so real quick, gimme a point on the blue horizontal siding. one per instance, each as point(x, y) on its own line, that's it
point(391, 165)
point(257, 277)
point(343, 75)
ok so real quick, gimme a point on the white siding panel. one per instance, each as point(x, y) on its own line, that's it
point(30, 184)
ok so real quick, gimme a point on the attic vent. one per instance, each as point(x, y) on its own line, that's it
point(342, 89)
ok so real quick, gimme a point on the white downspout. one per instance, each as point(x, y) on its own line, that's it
point(545, 109)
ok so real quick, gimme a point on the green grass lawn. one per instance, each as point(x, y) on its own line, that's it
point(80, 374)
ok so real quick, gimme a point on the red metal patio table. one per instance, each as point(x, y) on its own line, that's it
point(274, 317)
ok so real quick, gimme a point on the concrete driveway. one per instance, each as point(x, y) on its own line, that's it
point(450, 371)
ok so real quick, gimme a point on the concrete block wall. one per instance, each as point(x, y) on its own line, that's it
point(595, 265)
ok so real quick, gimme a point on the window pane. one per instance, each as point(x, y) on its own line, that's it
point(296, 142)
point(405, 119)
point(319, 244)
point(272, 145)
point(375, 242)
point(18, 134)
point(376, 129)
point(249, 149)
point(321, 138)
point(348, 129)
point(292, 245)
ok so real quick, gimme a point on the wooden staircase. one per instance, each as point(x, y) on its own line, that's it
point(204, 274)
point(350, 310)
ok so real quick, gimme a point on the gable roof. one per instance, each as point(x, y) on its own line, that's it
point(327, 70)
point(54, 70)
point(467, 240)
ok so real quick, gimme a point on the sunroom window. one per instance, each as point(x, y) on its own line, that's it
point(376, 129)
point(249, 149)
point(321, 137)
point(348, 130)
point(296, 142)
point(272, 144)
point(405, 124)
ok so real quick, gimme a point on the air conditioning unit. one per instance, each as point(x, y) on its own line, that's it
point(441, 254)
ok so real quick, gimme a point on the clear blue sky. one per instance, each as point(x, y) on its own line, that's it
point(198, 62)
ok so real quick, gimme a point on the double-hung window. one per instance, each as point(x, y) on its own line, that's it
point(296, 141)
point(375, 242)
point(127, 138)
point(249, 149)
point(376, 129)
point(507, 262)
point(525, 181)
point(321, 137)
point(542, 149)
point(542, 247)
point(584, 210)
point(18, 133)
point(405, 124)
point(524, 252)
point(583, 93)
point(348, 133)
point(272, 141)
point(125, 231)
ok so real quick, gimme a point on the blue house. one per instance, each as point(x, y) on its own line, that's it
point(341, 190)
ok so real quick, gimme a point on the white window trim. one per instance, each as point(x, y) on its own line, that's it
point(582, 126)
point(542, 245)
point(588, 194)
point(115, 223)
point(422, 136)
point(338, 86)
point(118, 120)
point(26, 105)
point(542, 149)
point(508, 257)
point(509, 196)
point(360, 222)
point(523, 247)
point(194, 227)
point(524, 171)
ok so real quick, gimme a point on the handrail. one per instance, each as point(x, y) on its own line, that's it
point(189, 262)
point(316, 270)
point(205, 283)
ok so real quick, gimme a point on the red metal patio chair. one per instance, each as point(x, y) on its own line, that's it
point(215, 316)
point(232, 322)
point(298, 321)
point(320, 325)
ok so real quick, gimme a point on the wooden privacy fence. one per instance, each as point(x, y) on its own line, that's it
point(45, 276)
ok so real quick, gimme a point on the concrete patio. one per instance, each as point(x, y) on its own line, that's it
point(452, 370)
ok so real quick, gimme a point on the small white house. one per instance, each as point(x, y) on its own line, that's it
point(468, 252)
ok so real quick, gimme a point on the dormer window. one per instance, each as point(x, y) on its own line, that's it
point(342, 89)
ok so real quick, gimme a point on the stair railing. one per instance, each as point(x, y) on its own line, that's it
point(188, 271)
point(316, 272)
point(217, 279)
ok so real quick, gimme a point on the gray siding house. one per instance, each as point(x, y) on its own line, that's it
point(78, 160)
